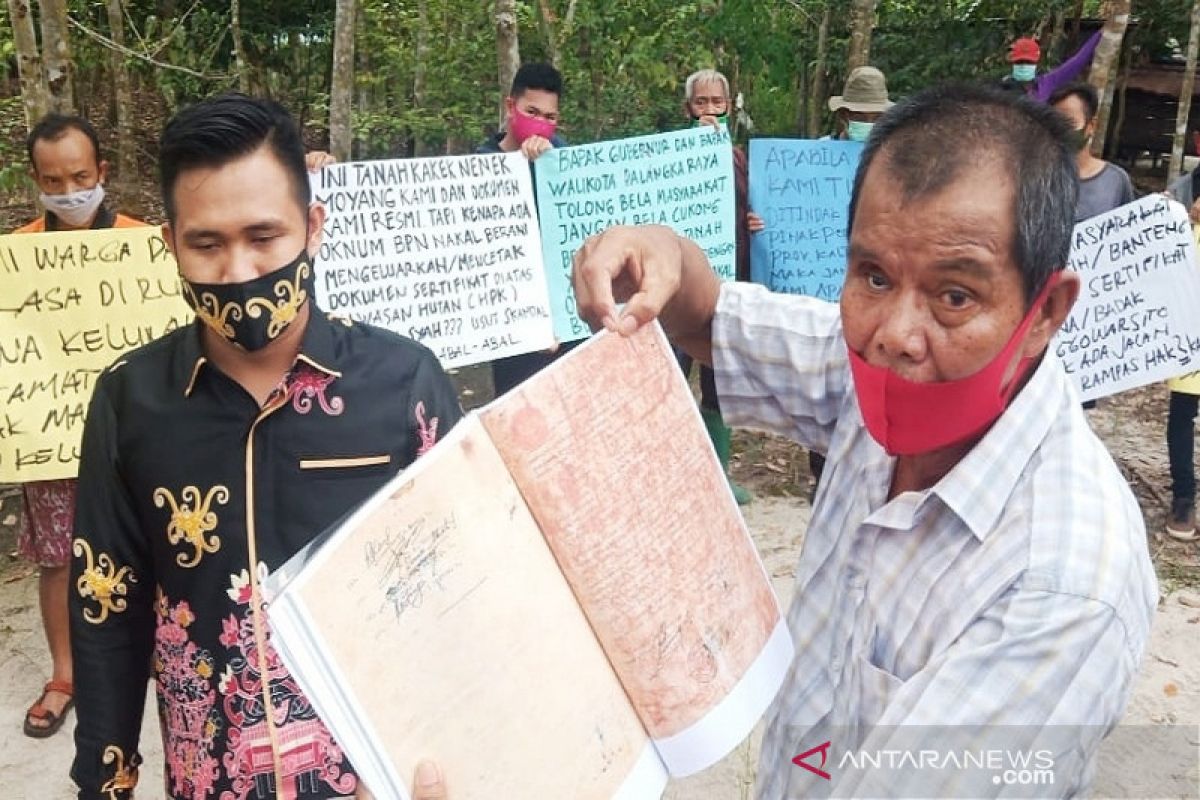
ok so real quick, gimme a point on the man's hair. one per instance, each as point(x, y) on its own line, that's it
point(704, 76)
point(941, 134)
point(1086, 94)
point(54, 126)
point(536, 76)
point(222, 129)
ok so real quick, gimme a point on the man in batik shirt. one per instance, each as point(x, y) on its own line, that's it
point(213, 455)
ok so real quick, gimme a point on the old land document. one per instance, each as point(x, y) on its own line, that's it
point(620, 475)
point(558, 600)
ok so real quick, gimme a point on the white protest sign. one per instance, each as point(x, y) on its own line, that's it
point(446, 251)
point(1137, 320)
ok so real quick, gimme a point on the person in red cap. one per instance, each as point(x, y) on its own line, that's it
point(1024, 57)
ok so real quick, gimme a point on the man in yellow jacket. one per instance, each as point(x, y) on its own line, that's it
point(65, 161)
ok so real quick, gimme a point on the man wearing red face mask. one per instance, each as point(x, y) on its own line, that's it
point(531, 125)
point(975, 574)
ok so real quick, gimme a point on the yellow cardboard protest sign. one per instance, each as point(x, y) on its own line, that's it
point(70, 305)
point(1188, 384)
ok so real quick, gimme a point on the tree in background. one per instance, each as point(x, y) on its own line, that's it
point(341, 89)
point(816, 110)
point(1104, 65)
point(508, 46)
point(862, 23)
point(56, 55)
point(1185, 96)
point(126, 143)
point(35, 95)
point(426, 81)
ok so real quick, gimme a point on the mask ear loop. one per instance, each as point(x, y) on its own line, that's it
point(1019, 335)
point(308, 227)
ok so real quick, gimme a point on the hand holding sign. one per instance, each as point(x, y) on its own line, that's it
point(683, 180)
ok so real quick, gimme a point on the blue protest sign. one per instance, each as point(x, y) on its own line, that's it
point(801, 189)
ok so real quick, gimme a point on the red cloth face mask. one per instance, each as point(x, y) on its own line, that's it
point(909, 418)
point(522, 126)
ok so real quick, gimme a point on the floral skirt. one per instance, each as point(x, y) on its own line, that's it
point(44, 532)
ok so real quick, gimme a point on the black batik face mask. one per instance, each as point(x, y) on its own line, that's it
point(254, 313)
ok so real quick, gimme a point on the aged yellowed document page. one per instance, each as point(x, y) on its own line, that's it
point(611, 456)
point(446, 616)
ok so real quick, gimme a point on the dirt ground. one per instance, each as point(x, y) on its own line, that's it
point(1167, 691)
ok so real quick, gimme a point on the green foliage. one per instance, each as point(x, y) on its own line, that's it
point(14, 170)
point(624, 61)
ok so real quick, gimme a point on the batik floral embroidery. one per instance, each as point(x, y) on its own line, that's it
point(191, 519)
point(102, 582)
point(283, 313)
point(187, 701)
point(309, 754)
point(209, 309)
point(125, 776)
point(427, 433)
point(306, 383)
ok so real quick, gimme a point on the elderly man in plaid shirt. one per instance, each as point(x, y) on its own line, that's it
point(976, 571)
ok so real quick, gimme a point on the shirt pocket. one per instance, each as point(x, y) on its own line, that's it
point(357, 475)
point(876, 688)
point(345, 466)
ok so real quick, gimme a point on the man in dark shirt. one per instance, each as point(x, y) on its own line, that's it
point(530, 126)
point(1103, 186)
point(214, 454)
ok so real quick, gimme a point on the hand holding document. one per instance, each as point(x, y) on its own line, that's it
point(560, 599)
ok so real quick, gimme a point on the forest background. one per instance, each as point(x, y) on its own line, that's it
point(395, 78)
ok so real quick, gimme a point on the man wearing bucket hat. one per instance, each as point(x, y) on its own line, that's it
point(1024, 57)
point(862, 101)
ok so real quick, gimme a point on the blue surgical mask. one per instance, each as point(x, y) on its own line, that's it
point(857, 131)
point(1024, 73)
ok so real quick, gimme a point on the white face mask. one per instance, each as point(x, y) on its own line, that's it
point(76, 208)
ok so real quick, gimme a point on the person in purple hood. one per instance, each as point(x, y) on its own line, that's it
point(1024, 57)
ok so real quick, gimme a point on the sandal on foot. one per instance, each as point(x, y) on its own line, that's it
point(39, 712)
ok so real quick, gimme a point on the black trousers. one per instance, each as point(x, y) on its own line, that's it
point(1181, 444)
point(708, 381)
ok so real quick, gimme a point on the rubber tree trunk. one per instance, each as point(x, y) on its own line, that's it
point(127, 169)
point(816, 107)
point(421, 146)
point(56, 55)
point(239, 49)
point(1185, 95)
point(862, 22)
point(1104, 65)
point(508, 47)
point(341, 89)
point(34, 94)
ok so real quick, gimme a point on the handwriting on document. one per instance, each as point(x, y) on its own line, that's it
point(408, 562)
